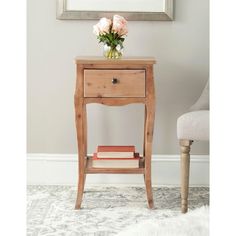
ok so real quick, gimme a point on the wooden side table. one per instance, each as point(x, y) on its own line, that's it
point(114, 83)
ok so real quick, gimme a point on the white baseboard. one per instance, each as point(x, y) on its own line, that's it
point(61, 169)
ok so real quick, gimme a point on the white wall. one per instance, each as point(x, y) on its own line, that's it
point(62, 169)
point(180, 47)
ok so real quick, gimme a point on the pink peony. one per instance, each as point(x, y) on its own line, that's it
point(96, 29)
point(119, 25)
point(102, 27)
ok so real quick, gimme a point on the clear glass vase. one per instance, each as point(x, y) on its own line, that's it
point(112, 52)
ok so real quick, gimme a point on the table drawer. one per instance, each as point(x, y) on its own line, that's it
point(114, 83)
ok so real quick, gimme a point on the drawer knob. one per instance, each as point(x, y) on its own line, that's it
point(114, 81)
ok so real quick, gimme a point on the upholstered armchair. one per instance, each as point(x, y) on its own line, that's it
point(192, 126)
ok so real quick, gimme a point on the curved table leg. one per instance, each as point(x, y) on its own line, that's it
point(81, 127)
point(149, 125)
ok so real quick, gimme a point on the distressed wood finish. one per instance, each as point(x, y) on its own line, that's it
point(148, 132)
point(125, 61)
point(114, 101)
point(91, 170)
point(114, 83)
point(81, 137)
point(136, 78)
point(185, 162)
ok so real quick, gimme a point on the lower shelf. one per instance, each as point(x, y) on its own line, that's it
point(91, 170)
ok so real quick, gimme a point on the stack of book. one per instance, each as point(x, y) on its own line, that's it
point(115, 157)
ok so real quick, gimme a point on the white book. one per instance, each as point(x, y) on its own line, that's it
point(115, 154)
point(115, 164)
point(132, 162)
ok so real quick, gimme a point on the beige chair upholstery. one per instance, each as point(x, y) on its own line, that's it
point(192, 126)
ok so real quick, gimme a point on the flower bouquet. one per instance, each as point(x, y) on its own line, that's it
point(112, 34)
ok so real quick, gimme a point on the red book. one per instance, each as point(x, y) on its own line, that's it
point(115, 151)
point(132, 162)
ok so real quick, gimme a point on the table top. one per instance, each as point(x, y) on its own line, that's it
point(123, 60)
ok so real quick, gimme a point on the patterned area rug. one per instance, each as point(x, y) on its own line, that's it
point(105, 210)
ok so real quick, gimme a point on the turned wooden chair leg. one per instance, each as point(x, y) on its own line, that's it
point(185, 163)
